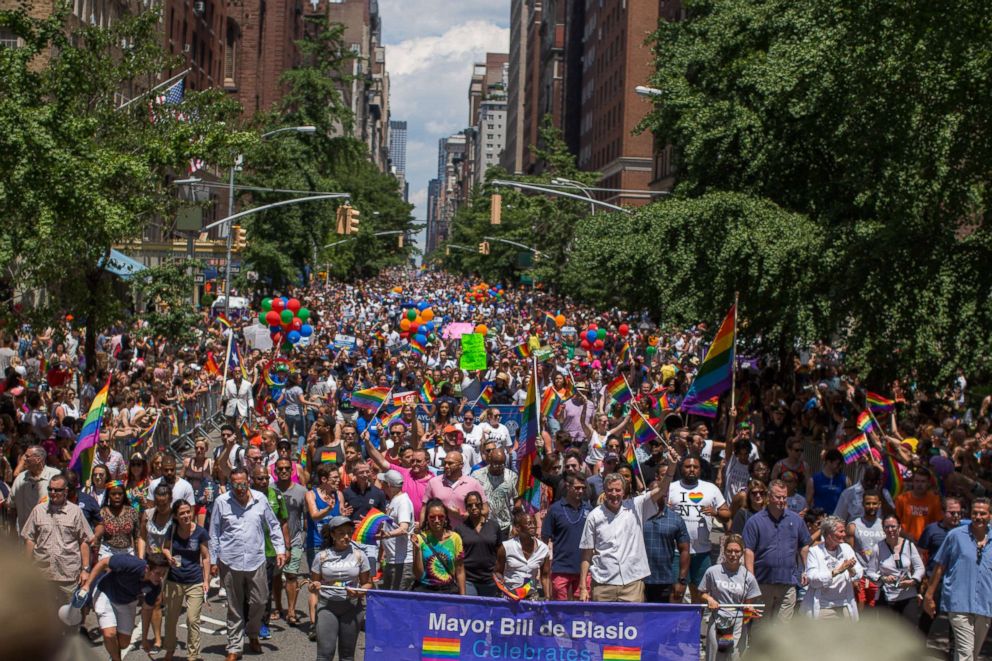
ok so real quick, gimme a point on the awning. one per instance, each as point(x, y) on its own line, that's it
point(122, 265)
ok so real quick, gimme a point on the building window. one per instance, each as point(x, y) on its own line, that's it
point(230, 56)
point(8, 39)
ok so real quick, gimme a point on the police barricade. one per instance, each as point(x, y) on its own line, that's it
point(405, 625)
point(178, 426)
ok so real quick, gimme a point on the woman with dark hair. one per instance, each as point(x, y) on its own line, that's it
point(523, 562)
point(896, 566)
point(481, 537)
point(438, 555)
point(443, 415)
point(339, 574)
point(121, 524)
point(188, 581)
point(757, 498)
point(136, 481)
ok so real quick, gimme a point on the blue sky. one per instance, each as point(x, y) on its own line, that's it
point(431, 46)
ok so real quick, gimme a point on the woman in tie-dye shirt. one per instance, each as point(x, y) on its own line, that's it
point(438, 555)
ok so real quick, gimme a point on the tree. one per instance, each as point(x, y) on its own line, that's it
point(871, 120)
point(284, 242)
point(164, 290)
point(80, 175)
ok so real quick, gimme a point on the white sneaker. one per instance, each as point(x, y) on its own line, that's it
point(222, 593)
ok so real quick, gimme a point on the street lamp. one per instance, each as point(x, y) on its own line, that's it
point(230, 206)
point(641, 90)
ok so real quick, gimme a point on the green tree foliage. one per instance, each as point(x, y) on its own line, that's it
point(164, 291)
point(546, 223)
point(78, 174)
point(663, 258)
point(871, 120)
point(282, 242)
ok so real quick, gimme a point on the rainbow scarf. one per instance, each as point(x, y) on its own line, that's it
point(619, 390)
point(82, 454)
point(368, 528)
point(716, 371)
point(879, 404)
point(370, 398)
point(855, 448)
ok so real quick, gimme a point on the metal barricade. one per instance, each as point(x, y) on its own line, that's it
point(179, 426)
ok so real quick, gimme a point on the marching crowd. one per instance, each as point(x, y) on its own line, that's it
point(751, 509)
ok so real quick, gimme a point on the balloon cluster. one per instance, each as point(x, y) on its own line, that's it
point(593, 338)
point(417, 322)
point(286, 317)
point(482, 291)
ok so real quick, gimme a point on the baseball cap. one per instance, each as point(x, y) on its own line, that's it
point(338, 521)
point(391, 477)
point(450, 429)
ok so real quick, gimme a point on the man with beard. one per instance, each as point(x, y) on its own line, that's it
point(698, 503)
point(181, 489)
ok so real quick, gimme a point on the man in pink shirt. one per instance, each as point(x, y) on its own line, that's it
point(451, 487)
point(415, 478)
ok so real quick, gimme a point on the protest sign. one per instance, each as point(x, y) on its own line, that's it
point(473, 352)
point(455, 330)
point(454, 627)
point(344, 341)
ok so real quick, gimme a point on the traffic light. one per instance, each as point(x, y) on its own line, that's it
point(495, 208)
point(342, 219)
point(484, 248)
point(239, 238)
point(352, 214)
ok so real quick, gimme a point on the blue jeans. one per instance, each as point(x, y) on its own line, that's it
point(297, 430)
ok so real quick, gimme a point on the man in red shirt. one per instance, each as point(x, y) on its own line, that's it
point(918, 507)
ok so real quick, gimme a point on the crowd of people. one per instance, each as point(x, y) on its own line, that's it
point(749, 504)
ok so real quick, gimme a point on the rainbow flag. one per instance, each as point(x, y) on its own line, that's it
point(879, 404)
point(615, 653)
point(145, 437)
point(516, 594)
point(485, 396)
point(522, 350)
point(642, 428)
point(618, 390)
point(895, 481)
point(174, 419)
point(706, 409)
point(865, 422)
point(662, 404)
point(550, 319)
point(630, 456)
point(389, 419)
point(427, 392)
point(625, 354)
point(370, 525)
point(440, 649)
point(550, 401)
point(211, 364)
point(418, 348)
point(327, 457)
point(404, 398)
point(370, 398)
point(245, 430)
point(855, 448)
point(527, 486)
point(82, 454)
point(716, 371)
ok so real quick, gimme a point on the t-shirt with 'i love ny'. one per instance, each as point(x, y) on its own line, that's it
point(689, 502)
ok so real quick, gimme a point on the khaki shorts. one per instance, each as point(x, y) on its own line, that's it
point(292, 567)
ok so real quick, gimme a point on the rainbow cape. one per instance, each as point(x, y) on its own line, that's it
point(619, 390)
point(368, 528)
point(879, 404)
point(855, 448)
point(528, 487)
point(716, 371)
point(370, 398)
point(82, 454)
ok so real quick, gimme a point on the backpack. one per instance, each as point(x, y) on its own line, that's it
point(237, 451)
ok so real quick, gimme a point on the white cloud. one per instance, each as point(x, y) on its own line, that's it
point(431, 46)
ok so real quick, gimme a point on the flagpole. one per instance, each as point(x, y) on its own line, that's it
point(645, 419)
point(537, 404)
point(157, 87)
point(227, 360)
point(733, 372)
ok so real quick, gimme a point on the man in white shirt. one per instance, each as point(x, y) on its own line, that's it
point(181, 489)
point(612, 541)
point(698, 502)
point(397, 550)
point(238, 398)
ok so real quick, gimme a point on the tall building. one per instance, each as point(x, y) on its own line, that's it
point(452, 189)
point(616, 58)
point(512, 158)
point(486, 115)
point(397, 155)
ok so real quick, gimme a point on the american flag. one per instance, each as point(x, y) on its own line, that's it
point(173, 95)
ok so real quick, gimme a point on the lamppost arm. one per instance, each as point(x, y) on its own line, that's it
point(555, 191)
point(513, 243)
point(281, 203)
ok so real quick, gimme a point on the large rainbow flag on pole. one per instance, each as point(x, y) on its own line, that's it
point(716, 372)
point(82, 454)
point(528, 487)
